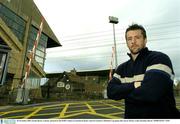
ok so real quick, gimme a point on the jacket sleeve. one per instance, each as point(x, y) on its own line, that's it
point(157, 80)
point(117, 90)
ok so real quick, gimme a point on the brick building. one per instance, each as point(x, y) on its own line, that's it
point(19, 24)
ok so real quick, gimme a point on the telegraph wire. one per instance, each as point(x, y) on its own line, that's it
point(164, 31)
point(95, 37)
point(110, 44)
point(121, 38)
point(123, 29)
point(84, 42)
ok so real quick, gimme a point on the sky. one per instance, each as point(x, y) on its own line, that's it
point(83, 29)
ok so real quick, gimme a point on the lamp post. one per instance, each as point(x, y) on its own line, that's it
point(114, 21)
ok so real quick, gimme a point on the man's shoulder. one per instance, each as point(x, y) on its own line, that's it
point(155, 57)
point(157, 54)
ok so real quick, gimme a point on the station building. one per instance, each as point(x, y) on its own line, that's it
point(73, 85)
point(19, 24)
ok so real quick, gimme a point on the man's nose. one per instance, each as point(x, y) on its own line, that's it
point(133, 40)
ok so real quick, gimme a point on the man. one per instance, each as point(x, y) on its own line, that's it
point(145, 81)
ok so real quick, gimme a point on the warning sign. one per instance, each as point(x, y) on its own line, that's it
point(60, 84)
point(67, 87)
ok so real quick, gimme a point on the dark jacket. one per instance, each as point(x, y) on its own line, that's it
point(154, 98)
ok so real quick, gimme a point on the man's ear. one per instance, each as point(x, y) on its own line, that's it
point(145, 40)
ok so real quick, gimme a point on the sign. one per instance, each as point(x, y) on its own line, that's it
point(60, 84)
point(67, 87)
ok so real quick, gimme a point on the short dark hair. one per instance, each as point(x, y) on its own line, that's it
point(136, 27)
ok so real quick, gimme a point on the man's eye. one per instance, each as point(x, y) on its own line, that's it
point(138, 37)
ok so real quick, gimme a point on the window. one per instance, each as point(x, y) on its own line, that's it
point(13, 21)
point(41, 48)
point(3, 58)
point(4, 49)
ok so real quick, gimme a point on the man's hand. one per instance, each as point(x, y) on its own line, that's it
point(137, 84)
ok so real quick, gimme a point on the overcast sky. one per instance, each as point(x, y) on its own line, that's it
point(83, 28)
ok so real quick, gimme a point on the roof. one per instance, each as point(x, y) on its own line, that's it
point(84, 73)
point(74, 78)
point(52, 39)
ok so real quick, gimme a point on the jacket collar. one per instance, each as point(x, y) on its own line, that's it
point(143, 52)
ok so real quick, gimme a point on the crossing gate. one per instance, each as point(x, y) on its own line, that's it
point(23, 92)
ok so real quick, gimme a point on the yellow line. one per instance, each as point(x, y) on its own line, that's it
point(76, 114)
point(90, 108)
point(48, 106)
point(178, 107)
point(31, 109)
point(77, 111)
point(72, 103)
point(97, 105)
point(21, 110)
point(103, 108)
point(46, 114)
point(81, 105)
point(62, 114)
point(63, 111)
point(114, 106)
point(11, 117)
point(107, 116)
point(33, 113)
point(110, 101)
point(96, 114)
point(113, 114)
point(14, 117)
point(4, 113)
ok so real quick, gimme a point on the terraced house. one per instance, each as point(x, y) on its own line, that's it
point(19, 24)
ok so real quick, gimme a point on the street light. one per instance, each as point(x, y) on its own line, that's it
point(114, 20)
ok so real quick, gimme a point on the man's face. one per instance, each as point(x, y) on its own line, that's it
point(135, 41)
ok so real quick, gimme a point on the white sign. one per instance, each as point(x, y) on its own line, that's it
point(60, 84)
point(67, 86)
